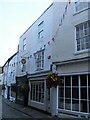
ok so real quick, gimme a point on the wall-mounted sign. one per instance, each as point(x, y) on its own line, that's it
point(23, 61)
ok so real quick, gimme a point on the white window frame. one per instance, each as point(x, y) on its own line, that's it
point(37, 91)
point(40, 30)
point(24, 44)
point(39, 60)
point(82, 38)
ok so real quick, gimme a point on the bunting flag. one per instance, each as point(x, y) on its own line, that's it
point(53, 39)
point(60, 24)
point(69, 1)
point(48, 42)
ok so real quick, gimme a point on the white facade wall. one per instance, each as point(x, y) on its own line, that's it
point(33, 44)
point(5, 79)
point(65, 44)
point(12, 67)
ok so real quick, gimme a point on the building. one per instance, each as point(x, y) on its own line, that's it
point(35, 59)
point(1, 80)
point(57, 42)
point(71, 56)
point(9, 78)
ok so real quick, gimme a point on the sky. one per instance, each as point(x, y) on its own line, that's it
point(15, 18)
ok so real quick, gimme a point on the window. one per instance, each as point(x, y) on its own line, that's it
point(83, 36)
point(24, 44)
point(74, 93)
point(79, 5)
point(37, 91)
point(39, 60)
point(40, 30)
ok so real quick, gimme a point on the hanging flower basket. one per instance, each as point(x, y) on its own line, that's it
point(52, 80)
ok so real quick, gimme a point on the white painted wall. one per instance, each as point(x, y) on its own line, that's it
point(64, 47)
point(12, 67)
point(33, 44)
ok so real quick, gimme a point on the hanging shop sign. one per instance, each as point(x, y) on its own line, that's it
point(23, 61)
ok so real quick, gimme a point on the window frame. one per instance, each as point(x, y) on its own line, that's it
point(81, 42)
point(39, 60)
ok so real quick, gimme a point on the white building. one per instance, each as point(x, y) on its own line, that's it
point(58, 41)
point(9, 77)
point(71, 55)
point(35, 49)
point(1, 80)
point(11, 83)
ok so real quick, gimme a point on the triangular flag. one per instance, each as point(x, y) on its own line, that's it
point(48, 42)
point(53, 39)
point(69, 1)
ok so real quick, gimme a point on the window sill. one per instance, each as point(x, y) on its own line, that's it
point(82, 52)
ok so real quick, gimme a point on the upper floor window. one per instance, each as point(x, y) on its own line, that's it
point(79, 5)
point(24, 44)
point(39, 60)
point(83, 36)
point(40, 30)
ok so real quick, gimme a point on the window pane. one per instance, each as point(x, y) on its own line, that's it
point(61, 103)
point(68, 92)
point(67, 81)
point(68, 104)
point(83, 93)
point(75, 105)
point(83, 106)
point(61, 92)
point(83, 79)
point(75, 93)
point(75, 80)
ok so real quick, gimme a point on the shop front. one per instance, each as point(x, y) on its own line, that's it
point(22, 90)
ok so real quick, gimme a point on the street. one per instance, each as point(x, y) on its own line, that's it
point(0, 106)
point(9, 112)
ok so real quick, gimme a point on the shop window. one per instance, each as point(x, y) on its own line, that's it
point(83, 86)
point(37, 91)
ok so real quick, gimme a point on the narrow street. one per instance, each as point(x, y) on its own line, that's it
point(9, 112)
point(0, 107)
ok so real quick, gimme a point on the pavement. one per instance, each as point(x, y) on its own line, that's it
point(34, 113)
point(0, 107)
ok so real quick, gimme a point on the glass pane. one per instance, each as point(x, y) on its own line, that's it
point(61, 92)
point(61, 103)
point(67, 92)
point(83, 93)
point(67, 81)
point(83, 106)
point(75, 93)
point(75, 105)
point(83, 79)
point(68, 104)
point(75, 80)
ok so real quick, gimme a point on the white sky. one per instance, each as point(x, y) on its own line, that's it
point(15, 17)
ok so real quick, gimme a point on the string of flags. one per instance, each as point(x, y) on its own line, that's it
point(61, 21)
point(60, 24)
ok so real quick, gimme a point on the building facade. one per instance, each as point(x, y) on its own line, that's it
point(9, 78)
point(58, 42)
point(71, 55)
point(1, 80)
